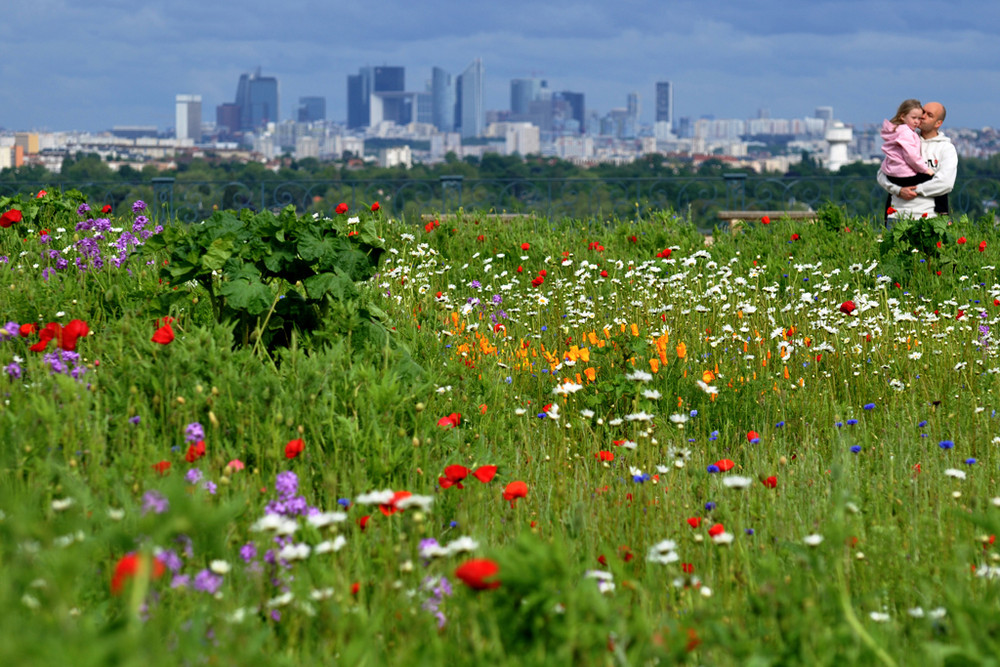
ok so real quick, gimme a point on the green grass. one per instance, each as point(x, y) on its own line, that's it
point(759, 319)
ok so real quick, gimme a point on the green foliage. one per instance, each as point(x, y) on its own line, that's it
point(273, 275)
point(832, 217)
point(53, 209)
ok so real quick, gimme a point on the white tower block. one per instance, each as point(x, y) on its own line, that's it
point(838, 136)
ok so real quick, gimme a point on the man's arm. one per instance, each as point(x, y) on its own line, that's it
point(944, 178)
point(886, 184)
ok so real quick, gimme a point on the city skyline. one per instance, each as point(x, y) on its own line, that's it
point(110, 63)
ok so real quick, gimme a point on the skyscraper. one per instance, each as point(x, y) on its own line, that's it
point(470, 112)
point(311, 109)
point(575, 103)
point(522, 93)
point(443, 100)
point(257, 98)
point(665, 102)
point(368, 82)
point(188, 118)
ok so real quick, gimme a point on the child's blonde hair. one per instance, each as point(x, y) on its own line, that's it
point(906, 107)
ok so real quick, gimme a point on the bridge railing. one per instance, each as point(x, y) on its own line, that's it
point(606, 199)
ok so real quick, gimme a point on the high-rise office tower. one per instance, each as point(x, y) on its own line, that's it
point(824, 113)
point(188, 117)
point(257, 98)
point(368, 82)
point(522, 93)
point(575, 102)
point(443, 100)
point(665, 102)
point(469, 110)
point(634, 108)
point(311, 109)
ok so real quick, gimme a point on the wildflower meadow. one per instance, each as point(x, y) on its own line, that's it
point(275, 438)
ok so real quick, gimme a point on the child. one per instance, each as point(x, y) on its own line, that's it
point(903, 164)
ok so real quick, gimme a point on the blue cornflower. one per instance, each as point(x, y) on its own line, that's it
point(453, 524)
point(779, 424)
point(344, 502)
point(134, 420)
point(709, 506)
point(839, 424)
point(869, 406)
point(970, 462)
point(694, 413)
point(922, 424)
point(639, 479)
point(748, 531)
point(855, 449)
point(852, 422)
point(713, 468)
point(946, 444)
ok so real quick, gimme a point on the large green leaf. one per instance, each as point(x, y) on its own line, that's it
point(217, 254)
point(337, 285)
point(244, 290)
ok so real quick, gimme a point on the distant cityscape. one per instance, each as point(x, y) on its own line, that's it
point(392, 127)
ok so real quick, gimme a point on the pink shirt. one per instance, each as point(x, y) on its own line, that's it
point(901, 146)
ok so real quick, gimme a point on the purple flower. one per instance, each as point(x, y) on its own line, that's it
point(13, 370)
point(46, 272)
point(180, 581)
point(82, 209)
point(155, 502)
point(207, 581)
point(248, 552)
point(170, 559)
point(210, 487)
point(134, 420)
point(138, 206)
point(10, 331)
point(194, 432)
point(286, 484)
point(193, 476)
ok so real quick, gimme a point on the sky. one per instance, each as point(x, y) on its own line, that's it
point(91, 65)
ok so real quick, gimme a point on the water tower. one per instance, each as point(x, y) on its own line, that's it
point(838, 136)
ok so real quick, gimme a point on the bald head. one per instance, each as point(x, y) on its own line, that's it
point(931, 121)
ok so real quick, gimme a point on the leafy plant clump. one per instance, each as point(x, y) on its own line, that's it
point(275, 275)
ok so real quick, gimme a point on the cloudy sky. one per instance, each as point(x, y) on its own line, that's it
point(71, 64)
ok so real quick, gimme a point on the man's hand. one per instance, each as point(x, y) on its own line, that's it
point(908, 193)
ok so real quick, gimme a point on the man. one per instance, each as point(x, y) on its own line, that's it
point(928, 199)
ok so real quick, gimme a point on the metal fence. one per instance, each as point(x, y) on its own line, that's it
point(553, 198)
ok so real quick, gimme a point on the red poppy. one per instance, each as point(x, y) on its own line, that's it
point(604, 273)
point(75, 329)
point(525, 246)
point(687, 568)
point(890, 211)
point(355, 588)
point(752, 435)
point(31, 327)
point(41, 193)
point(375, 207)
point(294, 448)
point(363, 521)
point(604, 456)
point(479, 574)
point(195, 451)
point(129, 566)
point(765, 220)
point(164, 335)
point(602, 560)
point(162, 467)
point(960, 314)
point(451, 421)
point(514, 491)
point(106, 208)
point(982, 246)
point(431, 226)
point(341, 208)
point(717, 529)
point(771, 482)
point(961, 240)
point(847, 307)
point(10, 217)
point(543, 273)
point(633, 239)
point(485, 473)
point(480, 238)
point(725, 465)
point(536, 281)
point(664, 254)
point(795, 237)
point(390, 508)
point(453, 476)
point(694, 521)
